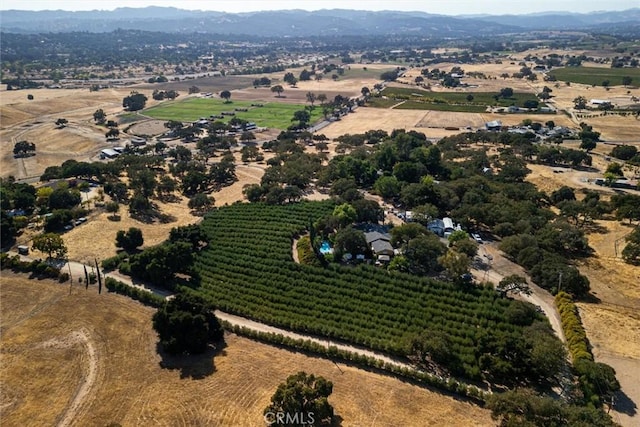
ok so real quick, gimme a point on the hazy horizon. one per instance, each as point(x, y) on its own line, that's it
point(444, 7)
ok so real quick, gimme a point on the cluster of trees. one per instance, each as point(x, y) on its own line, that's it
point(551, 155)
point(24, 149)
point(159, 95)
point(59, 204)
point(162, 263)
point(158, 79)
point(147, 179)
point(262, 81)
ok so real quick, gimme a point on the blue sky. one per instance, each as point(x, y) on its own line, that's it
point(448, 7)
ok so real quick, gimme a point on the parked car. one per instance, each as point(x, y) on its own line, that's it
point(476, 237)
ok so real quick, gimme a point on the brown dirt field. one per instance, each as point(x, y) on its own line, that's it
point(616, 128)
point(441, 119)
point(131, 388)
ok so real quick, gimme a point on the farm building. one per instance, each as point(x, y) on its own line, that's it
point(137, 141)
point(495, 125)
point(108, 153)
point(600, 101)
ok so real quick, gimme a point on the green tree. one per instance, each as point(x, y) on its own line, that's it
point(515, 284)
point(201, 203)
point(348, 240)
point(112, 134)
point(311, 98)
point(186, 324)
point(506, 92)
point(345, 213)
point(51, 244)
point(626, 80)
point(631, 252)
point(129, 240)
point(455, 263)
point(63, 198)
point(624, 152)
point(614, 168)
point(277, 89)
point(134, 102)
point(113, 208)
point(99, 116)
point(432, 347)
point(226, 95)
point(301, 400)
point(580, 103)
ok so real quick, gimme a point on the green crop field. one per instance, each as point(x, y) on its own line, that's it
point(418, 99)
point(271, 114)
point(361, 73)
point(248, 269)
point(595, 75)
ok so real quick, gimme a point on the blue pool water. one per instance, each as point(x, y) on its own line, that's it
point(326, 248)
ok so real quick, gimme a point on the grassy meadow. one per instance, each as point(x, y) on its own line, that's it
point(271, 114)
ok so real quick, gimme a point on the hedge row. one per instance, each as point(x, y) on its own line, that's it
point(37, 267)
point(573, 330)
point(332, 352)
point(145, 297)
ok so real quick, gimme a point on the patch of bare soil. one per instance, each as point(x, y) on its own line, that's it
point(39, 382)
point(148, 127)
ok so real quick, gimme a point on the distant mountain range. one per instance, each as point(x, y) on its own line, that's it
point(300, 23)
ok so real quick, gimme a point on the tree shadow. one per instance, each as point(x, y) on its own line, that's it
point(624, 404)
point(337, 421)
point(194, 366)
point(594, 227)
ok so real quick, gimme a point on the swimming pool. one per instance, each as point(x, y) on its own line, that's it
point(326, 248)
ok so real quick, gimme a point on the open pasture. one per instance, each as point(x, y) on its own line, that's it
point(596, 75)
point(271, 114)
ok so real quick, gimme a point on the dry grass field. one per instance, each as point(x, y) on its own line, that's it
point(86, 359)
